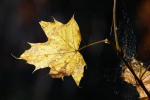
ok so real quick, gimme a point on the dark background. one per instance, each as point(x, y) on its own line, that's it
point(19, 24)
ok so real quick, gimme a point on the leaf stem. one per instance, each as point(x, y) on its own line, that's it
point(93, 44)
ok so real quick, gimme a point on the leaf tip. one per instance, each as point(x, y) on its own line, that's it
point(34, 70)
point(62, 78)
point(72, 18)
point(55, 21)
point(15, 56)
point(73, 15)
point(32, 44)
point(43, 24)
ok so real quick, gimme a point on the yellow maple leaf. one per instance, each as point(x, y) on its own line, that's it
point(142, 73)
point(60, 52)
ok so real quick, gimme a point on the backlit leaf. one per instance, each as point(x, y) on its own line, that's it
point(142, 74)
point(60, 52)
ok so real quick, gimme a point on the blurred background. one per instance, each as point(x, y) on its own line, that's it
point(19, 24)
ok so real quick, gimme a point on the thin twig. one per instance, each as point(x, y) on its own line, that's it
point(115, 28)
